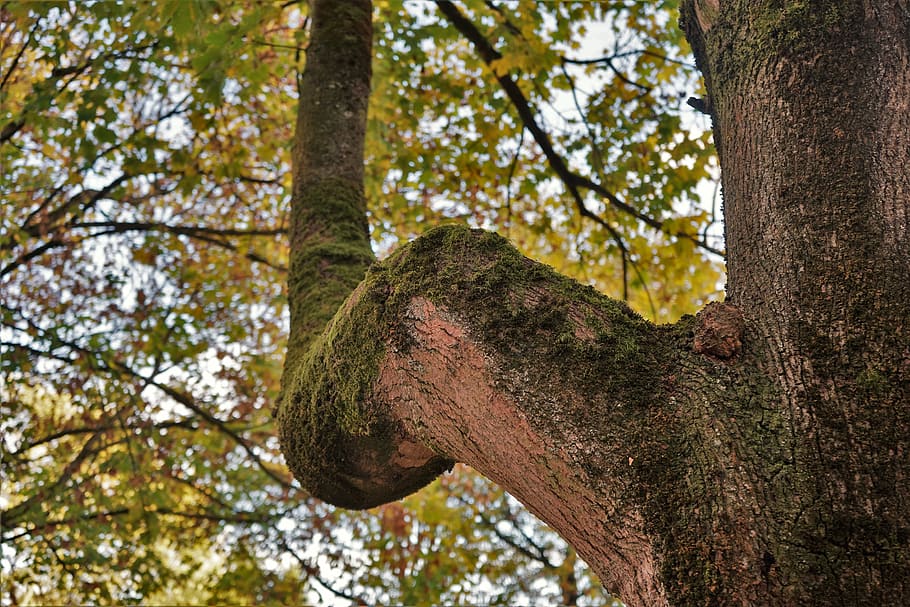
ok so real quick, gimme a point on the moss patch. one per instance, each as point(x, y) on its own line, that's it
point(512, 305)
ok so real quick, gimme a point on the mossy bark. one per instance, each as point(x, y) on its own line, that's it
point(330, 243)
point(756, 454)
point(811, 118)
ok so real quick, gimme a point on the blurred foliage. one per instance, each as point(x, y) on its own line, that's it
point(144, 151)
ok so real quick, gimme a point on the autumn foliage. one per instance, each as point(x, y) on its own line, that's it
point(145, 152)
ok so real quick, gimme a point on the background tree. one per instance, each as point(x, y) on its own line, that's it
point(145, 177)
point(755, 454)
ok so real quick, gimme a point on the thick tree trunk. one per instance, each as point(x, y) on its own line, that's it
point(754, 455)
point(812, 120)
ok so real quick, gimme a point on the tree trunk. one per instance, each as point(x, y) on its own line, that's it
point(812, 122)
point(756, 454)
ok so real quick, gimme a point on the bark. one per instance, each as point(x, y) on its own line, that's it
point(330, 243)
point(812, 121)
point(756, 454)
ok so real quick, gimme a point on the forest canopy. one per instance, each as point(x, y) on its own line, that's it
point(145, 153)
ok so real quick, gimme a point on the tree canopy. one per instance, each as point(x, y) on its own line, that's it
point(145, 150)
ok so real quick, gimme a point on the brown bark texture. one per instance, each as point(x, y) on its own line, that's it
point(756, 454)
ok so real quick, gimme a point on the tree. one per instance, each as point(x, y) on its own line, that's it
point(753, 454)
point(143, 259)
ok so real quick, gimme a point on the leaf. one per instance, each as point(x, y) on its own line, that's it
point(155, 324)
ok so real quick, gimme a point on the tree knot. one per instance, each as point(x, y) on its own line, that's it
point(718, 330)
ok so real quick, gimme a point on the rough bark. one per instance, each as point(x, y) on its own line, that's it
point(756, 454)
point(812, 121)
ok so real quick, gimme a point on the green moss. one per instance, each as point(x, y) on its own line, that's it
point(525, 314)
point(330, 254)
point(873, 383)
point(747, 33)
point(779, 21)
point(799, 22)
point(516, 308)
point(325, 415)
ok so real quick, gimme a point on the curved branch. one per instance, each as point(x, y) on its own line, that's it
point(126, 226)
point(13, 512)
point(457, 348)
point(38, 251)
point(188, 402)
point(60, 73)
point(534, 553)
point(235, 517)
point(205, 234)
point(181, 423)
point(313, 573)
point(15, 61)
point(202, 233)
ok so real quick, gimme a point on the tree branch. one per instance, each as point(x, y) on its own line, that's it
point(183, 423)
point(535, 553)
point(571, 179)
point(106, 362)
point(11, 514)
point(609, 58)
point(128, 226)
point(312, 572)
point(457, 348)
point(30, 255)
point(15, 61)
point(60, 72)
point(235, 517)
point(202, 233)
